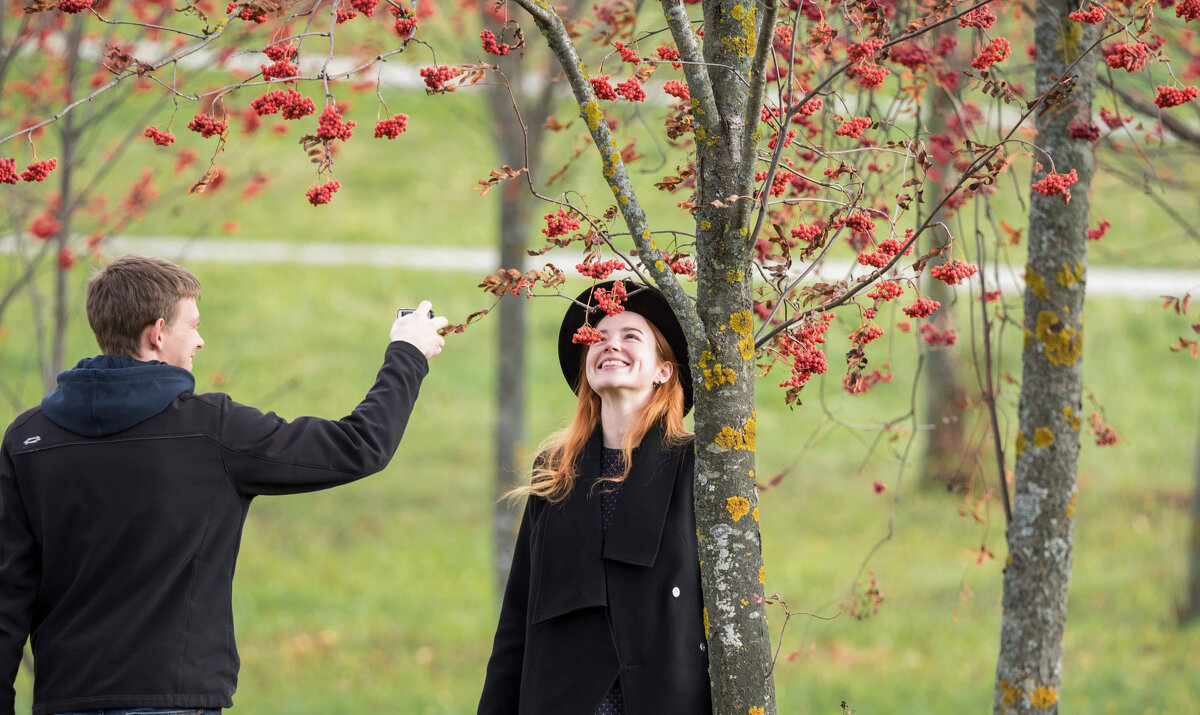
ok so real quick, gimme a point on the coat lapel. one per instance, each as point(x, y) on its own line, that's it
point(637, 524)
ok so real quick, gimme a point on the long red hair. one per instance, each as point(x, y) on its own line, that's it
point(556, 470)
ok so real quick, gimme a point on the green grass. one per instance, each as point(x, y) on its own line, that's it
point(377, 597)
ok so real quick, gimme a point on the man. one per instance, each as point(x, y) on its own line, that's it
point(123, 495)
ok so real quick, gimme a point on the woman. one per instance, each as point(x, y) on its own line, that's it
point(603, 613)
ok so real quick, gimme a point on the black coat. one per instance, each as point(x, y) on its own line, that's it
point(580, 611)
point(117, 549)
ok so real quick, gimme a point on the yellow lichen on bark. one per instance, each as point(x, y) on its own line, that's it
point(705, 357)
point(591, 112)
point(1008, 693)
point(1068, 276)
point(1064, 344)
point(1036, 284)
point(718, 375)
point(1071, 417)
point(756, 710)
point(1043, 437)
point(755, 513)
point(1020, 443)
point(1071, 506)
point(744, 438)
point(762, 574)
point(738, 507)
point(1043, 697)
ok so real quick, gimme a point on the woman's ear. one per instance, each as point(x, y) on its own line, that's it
point(665, 370)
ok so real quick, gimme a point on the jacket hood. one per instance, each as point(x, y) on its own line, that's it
point(106, 394)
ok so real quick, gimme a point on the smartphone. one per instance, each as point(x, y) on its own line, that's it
point(405, 311)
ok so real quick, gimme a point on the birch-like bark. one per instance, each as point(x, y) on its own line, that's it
point(1037, 574)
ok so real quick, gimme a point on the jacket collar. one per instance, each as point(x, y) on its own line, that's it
point(636, 529)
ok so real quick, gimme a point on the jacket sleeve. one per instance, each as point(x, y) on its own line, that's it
point(266, 454)
point(19, 576)
point(502, 684)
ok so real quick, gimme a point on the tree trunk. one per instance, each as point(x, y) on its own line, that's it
point(1189, 610)
point(1029, 669)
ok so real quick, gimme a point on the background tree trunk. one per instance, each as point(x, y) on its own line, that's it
point(1189, 610)
point(1036, 578)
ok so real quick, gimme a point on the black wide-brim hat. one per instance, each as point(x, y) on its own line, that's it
point(644, 300)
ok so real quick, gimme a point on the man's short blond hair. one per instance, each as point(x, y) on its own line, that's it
point(131, 293)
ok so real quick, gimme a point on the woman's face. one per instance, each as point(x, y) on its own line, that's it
point(626, 358)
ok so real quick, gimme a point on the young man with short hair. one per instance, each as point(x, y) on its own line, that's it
point(123, 495)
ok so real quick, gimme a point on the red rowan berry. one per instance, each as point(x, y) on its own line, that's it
point(330, 125)
point(806, 232)
point(323, 194)
point(810, 108)
point(868, 74)
point(66, 259)
point(1105, 434)
point(160, 138)
point(366, 7)
point(73, 6)
point(863, 51)
point(602, 88)
point(953, 272)
point(879, 486)
point(344, 15)
point(1113, 119)
point(678, 89)
point(560, 224)
point(685, 267)
point(491, 46)
point(853, 127)
point(1174, 96)
point(910, 54)
point(945, 45)
point(599, 270)
point(1095, 234)
point(933, 336)
point(1130, 57)
point(886, 290)
point(44, 226)
point(1056, 185)
point(39, 170)
point(865, 334)
point(437, 77)
point(1188, 9)
point(391, 128)
point(669, 54)
point(1088, 131)
point(923, 308)
point(997, 50)
point(610, 300)
point(981, 17)
point(1094, 16)
point(586, 335)
point(8, 171)
point(631, 89)
point(207, 126)
point(406, 23)
point(628, 54)
point(868, 313)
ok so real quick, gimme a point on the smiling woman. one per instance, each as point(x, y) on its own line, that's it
point(603, 610)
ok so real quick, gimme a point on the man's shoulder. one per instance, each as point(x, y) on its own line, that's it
point(20, 422)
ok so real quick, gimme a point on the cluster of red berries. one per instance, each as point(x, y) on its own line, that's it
point(491, 45)
point(997, 50)
point(1128, 56)
point(922, 308)
point(677, 89)
point(884, 252)
point(437, 77)
point(330, 125)
point(912, 55)
point(560, 224)
point(610, 300)
point(406, 22)
point(787, 139)
point(1188, 9)
point(1095, 234)
point(886, 290)
point(8, 171)
point(868, 74)
point(1057, 185)
point(391, 128)
point(669, 54)
point(1080, 130)
point(863, 51)
point(280, 70)
point(1094, 15)
point(66, 259)
point(290, 104)
point(44, 225)
point(586, 336)
point(813, 106)
point(159, 137)
point(683, 267)
point(803, 349)
point(981, 17)
point(866, 334)
point(1105, 434)
point(1114, 119)
point(953, 272)
point(37, 171)
point(599, 269)
point(207, 126)
point(602, 88)
point(853, 127)
point(247, 13)
point(73, 6)
point(1174, 96)
point(933, 336)
point(806, 232)
point(628, 54)
point(323, 194)
point(366, 7)
point(632, 90)
point(280, 51)
point(858, 221)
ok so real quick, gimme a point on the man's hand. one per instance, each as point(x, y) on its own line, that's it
point(421, 330)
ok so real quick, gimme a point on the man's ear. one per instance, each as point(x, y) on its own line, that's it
point(152, 337)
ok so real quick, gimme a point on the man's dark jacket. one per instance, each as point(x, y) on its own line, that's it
point(121, 511)
point(580, 611)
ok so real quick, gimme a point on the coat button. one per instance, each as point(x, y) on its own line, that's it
point(675, 592)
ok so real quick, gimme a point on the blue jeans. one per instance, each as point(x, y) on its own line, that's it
point(146, 711)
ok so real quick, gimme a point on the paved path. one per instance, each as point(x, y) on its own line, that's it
point(1117, 281)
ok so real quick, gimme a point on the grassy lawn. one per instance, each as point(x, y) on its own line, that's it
point(376, 597)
